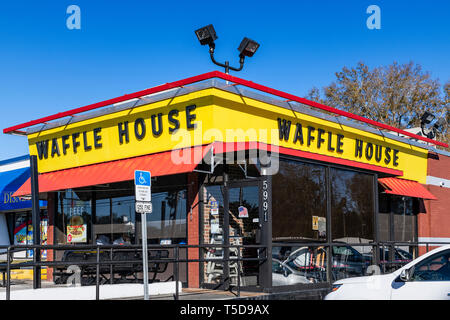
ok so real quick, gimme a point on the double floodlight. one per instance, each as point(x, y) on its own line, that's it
point(429, 124)
point(207, 35)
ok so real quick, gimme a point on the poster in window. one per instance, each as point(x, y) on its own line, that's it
point(30, 239)
point(315, 223)
point(76, 230)
point(214, 207)
point(44, 229)
point(322, 226)
point(20, 234)
point(215, 227)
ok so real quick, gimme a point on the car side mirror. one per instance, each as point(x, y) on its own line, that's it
point(285, 272)
point(405, 275)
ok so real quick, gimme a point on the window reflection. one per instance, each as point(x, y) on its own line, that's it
point(405, 221)
point(299, 201)
point(167, 222)
point(113, 219)
point(299, 211)
point(123, 220)
point(351, 206)
point(102, 227)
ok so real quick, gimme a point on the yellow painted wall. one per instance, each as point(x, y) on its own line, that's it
point(219, 116)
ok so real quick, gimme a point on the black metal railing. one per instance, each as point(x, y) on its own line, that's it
point(102, 260)
point(98, 266)
point(324, 262)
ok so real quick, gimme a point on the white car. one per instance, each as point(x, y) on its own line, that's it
point(283, 275)
point(425, 278)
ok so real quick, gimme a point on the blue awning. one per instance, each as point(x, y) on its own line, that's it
point(10, 182)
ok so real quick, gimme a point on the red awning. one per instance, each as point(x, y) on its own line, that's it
point(405, 188)
point(160, 164)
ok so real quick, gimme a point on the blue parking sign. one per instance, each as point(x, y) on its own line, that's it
point(142, 178)
point(142, 185)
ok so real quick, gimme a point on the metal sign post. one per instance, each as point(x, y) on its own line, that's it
point(36, 217)
point(142, 182)
point(144, 254)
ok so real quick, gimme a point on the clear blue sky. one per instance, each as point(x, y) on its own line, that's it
point(126, 46)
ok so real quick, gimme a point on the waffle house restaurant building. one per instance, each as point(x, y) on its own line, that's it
point(232, 162)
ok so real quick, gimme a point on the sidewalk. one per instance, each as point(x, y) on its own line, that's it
point(23, 290)
point(205, 294)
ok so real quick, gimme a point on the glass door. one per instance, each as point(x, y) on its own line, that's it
point(213, 226)
point(244, 230)
point(234, 209)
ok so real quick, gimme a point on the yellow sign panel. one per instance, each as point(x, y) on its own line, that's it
point(315, 223)
point(213, 115)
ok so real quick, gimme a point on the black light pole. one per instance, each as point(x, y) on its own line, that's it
point(247, 48)
point(36, 217)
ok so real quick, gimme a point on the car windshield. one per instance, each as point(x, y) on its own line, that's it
point(399, 254)
point(277, 267)
point(404, 254)
point(300, 259)
point(346, 253)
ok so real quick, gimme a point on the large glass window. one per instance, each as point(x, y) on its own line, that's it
point(115, 220)
point(352, 206)
point(23, 232)
point(102, 225)
point(111, 218)
point(299, 202)
point(299, 211)
point(73, 218)
point(123, 220)
point(299, 214)
point(167, 223)
point(405, 220)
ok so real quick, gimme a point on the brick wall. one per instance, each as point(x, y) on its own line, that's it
point(434, 222)
point(193, 230)
point(438, 166)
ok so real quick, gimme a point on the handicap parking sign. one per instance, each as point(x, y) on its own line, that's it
point(142, 185)
point(142, 178)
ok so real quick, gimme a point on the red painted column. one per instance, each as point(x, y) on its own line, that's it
point(193, 230)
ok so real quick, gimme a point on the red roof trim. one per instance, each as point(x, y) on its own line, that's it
point(221, 75)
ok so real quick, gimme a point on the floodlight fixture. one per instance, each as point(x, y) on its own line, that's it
point(206, 35)
point(247, 48)
point(429, 125)
point(427, 118)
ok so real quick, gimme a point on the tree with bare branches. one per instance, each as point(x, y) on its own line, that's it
point(397, 95)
